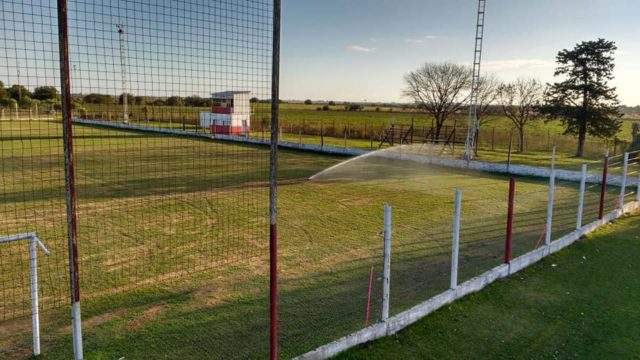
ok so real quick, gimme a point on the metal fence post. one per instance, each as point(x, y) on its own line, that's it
point(583, 183)
point(35, 313)
point(456, 239)
point(603, 188)
point(273, 183)
point(638, 188)
point(67, 132)
point(623, 183)
point(552, 188)
point(510, 150)
point(507, 245)
point(386, 279)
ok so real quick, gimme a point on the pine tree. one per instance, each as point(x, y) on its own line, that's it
point(584, 102)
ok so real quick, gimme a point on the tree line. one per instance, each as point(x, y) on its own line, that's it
point(19, 96)
point(581, 98)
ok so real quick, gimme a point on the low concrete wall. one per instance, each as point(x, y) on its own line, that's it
point(408, 317)
point(238, 139)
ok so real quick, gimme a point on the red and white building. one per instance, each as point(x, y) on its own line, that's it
point(230, 113)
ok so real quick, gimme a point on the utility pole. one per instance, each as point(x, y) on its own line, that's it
point(19, 84)
point(475, 84)
point(123, 69)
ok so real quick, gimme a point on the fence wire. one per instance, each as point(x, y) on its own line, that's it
point(172, 222)
point(32, 196)
point(172, 230)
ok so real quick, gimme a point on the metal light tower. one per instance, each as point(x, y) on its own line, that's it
point(123, 69)
point(19, 84)
point(474, 126)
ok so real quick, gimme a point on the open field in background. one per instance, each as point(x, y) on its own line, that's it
point(296, 114)
point(304, 123)
point(173, 255)
point(578, 303)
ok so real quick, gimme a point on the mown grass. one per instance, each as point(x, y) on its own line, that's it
point(173, 237)
point(579, 303)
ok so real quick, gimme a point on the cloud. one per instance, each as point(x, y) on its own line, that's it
point(517, 64)
point(432, 37)
point(359, 48)
point(376, 40)
point(413, 41)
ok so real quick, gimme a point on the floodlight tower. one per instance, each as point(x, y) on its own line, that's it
point(19, 84)
point(474, 126)
point(123, 69)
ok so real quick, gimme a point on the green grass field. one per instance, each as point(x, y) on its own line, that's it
point(579, 303)
point(173, 240)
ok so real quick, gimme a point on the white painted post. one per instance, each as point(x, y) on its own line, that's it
point(623, 183)
point(34, 242)
point(638, 189)
point(583, 183)
point(35, 314)
point(386, 280)
point(552, 187)
point(431, 152)
point(456, 239)
point(76, 324)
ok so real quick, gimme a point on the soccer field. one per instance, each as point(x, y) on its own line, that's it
point(173, 240)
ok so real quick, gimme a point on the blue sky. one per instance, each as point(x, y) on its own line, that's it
point(351, 50)
point(360, 49)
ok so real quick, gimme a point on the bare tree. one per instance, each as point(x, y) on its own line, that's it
point(520, 101)
point(438, 89)
point(487, 95)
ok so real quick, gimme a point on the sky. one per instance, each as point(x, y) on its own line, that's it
point(342, 50)
point(358, 50)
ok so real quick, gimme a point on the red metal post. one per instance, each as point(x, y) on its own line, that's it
point(507, 245)
point(67, 135)
point(603, 188)
point(273, 176)
point(366, 320)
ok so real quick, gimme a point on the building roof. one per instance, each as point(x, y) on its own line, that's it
point(228, 94)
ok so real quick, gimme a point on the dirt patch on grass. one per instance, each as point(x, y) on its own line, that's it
point(148, 315)
point(211, 295)
point(96, 320)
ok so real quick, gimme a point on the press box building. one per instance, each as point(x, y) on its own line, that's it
point(230, 113)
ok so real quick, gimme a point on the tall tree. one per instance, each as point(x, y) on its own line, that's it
point(45, 93)
point(438, 89)
point(520, 101)
point(584, 102)
point(16, 92)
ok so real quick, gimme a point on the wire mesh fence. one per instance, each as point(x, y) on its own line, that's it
point(172, 225)
point(168, 226)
